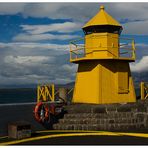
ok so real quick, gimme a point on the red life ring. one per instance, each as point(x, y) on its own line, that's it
point(41, 112)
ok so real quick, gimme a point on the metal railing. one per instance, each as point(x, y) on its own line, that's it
point(46, 92)
point(126, 48)
point(77, 48)
point(49, 93)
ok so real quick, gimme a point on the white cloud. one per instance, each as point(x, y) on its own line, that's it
point(136, 28)
point(11, 8)
point(76, 11)
point(82, 12)
point(22, 46)
point(140, 66)
point(34, 33)
point(69, 68)
point(55, 27)
point(79, 13)
point(41, 37)
point(62, 81)
point(33, 63)
point(127, 10)
point(28, 60)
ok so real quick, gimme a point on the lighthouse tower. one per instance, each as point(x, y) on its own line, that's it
point(103, 74)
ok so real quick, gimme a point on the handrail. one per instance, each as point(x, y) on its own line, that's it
point(82, 38)
point(130, 54)
point(77, 49)
point(123, 52)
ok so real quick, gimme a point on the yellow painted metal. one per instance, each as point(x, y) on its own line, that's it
point(101, 82)
point(144, 90)
point(102, 18)
point(103, 74)
point(102, 46)
point(45, 93)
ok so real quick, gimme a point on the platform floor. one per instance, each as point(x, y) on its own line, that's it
point(79, 138)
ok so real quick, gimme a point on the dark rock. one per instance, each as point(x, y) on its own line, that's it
point(112, 117)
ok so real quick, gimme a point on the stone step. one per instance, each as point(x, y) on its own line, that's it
point(102, 108)
point(86, 108)
point(98, 121)
point(111, 127)
point(100, 115)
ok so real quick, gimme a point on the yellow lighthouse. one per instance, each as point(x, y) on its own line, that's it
point(103, 58)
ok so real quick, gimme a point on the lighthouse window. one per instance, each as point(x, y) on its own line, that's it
point(103, 28)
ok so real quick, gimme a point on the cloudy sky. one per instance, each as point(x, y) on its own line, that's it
point(34, 38)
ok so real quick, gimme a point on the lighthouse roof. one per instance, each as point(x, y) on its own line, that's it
point(102, 18)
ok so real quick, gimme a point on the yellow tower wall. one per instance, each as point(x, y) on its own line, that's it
point(101, 45)
point(86, 82)
point(101, 82)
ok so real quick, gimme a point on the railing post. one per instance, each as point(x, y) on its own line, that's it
point(53, 90)
point(133, 48)
point(38, 92)
point(70, 52)
point(119, 48)
point(76, 52)
point(142, 90)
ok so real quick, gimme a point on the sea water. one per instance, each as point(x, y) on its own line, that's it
point(24, 95)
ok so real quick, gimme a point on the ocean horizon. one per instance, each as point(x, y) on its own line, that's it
point(24, 95)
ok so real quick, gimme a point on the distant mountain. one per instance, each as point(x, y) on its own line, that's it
point(18, 86)
point(139, 77)
point(34, 86)
point(68, 85)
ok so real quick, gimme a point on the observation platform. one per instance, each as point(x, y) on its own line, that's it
point(126, 50)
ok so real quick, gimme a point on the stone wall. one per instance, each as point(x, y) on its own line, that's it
point(111, 117)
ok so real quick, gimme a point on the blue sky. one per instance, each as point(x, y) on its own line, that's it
point(34, 38)
point(10, 26)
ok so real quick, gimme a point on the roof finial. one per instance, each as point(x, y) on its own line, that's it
point(101, 7)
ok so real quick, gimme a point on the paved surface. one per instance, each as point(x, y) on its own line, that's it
point(90, 140)
point(77, 138)
point(12, 113)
